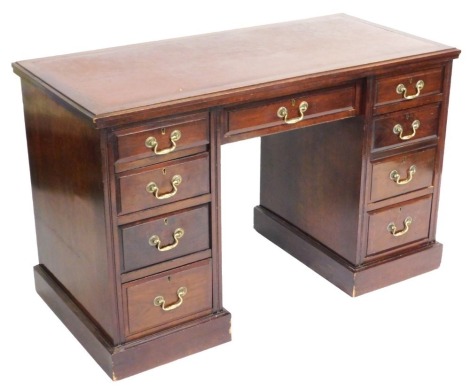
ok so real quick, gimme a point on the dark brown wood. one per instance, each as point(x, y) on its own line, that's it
point(231, 60)
point(69, 198)
point(383, 134)
point(216, 217)
point(440, 149)
point(401, 267)
point(387, 86)
point(164, 266)
point(194, 173)
point(135, 356)
point(384, 187)
point(167, 346)
point(326, 193)
point(305, 176)
point(131, 148)
point(141, 313)
point(380, 238)
point(323, 106)
point(163, 209)
point(355, 281)
point(138, 253)
point(72, 315)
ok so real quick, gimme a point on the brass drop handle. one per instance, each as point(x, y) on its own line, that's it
point(398, 130)
point(406, 226)
point(401, 90)
point(153, 189)
point(282, 113)
point(154, 240)
point(395, 176)
point(152, 143)
point(159, 301)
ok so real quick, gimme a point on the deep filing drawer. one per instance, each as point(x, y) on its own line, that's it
point(164, 238)
point(404, 127)
point(168, 298)
point(159, 141)
point(407, 87)
point(163, 183)
point(400, 225)
point(295, 111)
point(402, 174)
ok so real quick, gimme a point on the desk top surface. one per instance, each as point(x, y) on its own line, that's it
point(127, 78)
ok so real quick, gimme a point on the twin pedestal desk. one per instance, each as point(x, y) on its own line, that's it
point(124, 147)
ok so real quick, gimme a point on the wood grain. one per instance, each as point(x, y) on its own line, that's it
point(386, 86)
point(384, 137)
point(312, 179)
point(70, 204)
point(326, 195)
point(142, 314)
point(155, 73)
point(381, 239)
point(131, 146)
point(384, 187)
point(132, 193)
point(137, 252)
point(323, 105)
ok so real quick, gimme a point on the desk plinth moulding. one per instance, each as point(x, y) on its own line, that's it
point(124, 149)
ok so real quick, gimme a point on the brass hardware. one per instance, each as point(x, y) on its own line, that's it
point(152, 143)
point(282, 113)
point(401, 90)
point(159, 301)
point(153, 189)
point(395, 176)
point(398, 130)
point(154, 240)
point(406, 226)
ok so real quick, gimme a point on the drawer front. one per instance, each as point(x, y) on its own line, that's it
point(165, 238)
point(300, 110)
point(162, 300)
point(402, 174)
point(409, 86)
point(403, 224)
point(164, 183)
point(406, 127)
point(160, 140)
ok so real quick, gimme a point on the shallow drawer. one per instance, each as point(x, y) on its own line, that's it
point(167, 298)
point(409, 86)
point(163, 183)
point(402, 174)
point(393, 227)
point(406, 127)
point(294, 111)
point(161, 140)
point(164, 238)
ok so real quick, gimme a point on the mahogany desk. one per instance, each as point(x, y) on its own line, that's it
point(124, 147)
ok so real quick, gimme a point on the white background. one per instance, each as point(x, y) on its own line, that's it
point(291, 328)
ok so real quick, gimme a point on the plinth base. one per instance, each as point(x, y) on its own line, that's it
point(354, 280)
point(136, 356)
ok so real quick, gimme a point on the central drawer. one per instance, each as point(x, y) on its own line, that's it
point(295, 111)
point(164, 238)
